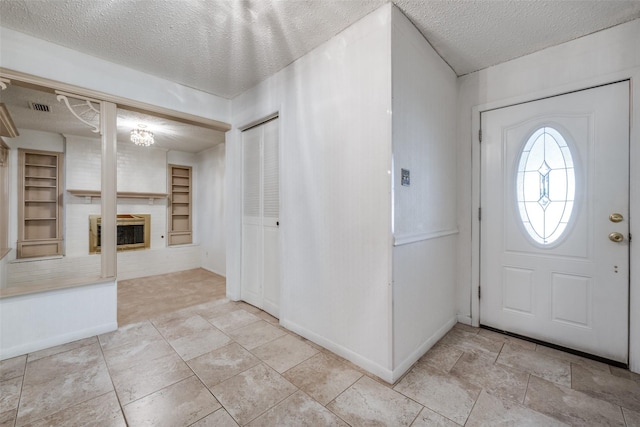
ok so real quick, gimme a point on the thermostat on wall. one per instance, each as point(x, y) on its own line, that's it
point(406, 177)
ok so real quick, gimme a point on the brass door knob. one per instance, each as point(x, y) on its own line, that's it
point(616, 237)
point(616, 217)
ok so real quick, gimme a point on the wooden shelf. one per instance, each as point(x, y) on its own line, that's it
point(89, 194)
point(179, 210)
point(39, 204)
point(40, 166)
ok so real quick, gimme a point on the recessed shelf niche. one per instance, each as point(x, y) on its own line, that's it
point(179, 215)
point(39, 203)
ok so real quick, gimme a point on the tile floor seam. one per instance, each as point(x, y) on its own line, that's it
point(284, 372)
point(234, 329)
point(52, 413)
point(526, 390)
point(270, 408)
point(474, 405)
point(624, 418)
point(171, 385)
point(72, 406)
point(233, 376)
point(115, 392)
point(24, 374)
point(414, 400)
point(347, 388)
point(571, 376)
point(267, 342)
point(419, 412)
point(328, 409)
point(160, 389)
point(458, 360)
point(200, 419)
point(15, 416)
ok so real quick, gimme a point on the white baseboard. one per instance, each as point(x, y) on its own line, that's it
point(406, 364)
point(467, 320)
point(366, 364)
point(213, 271)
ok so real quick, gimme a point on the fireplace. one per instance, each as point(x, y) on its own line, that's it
point(132, 232)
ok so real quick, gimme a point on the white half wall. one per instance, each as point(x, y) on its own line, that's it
point(600, 58)
point(424, 216)
point(334, 106)
point(36, 321)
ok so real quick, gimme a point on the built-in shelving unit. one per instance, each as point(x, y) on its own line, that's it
point(40, 203)
point(180, 186)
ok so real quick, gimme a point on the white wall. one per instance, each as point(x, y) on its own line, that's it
point(335, 144)
point(3, 272)
point(424, 278)
point(140, 169)
point(603, 57)
point(45, 319)
point(210, 205)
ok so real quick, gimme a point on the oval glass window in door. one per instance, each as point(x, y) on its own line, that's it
point(545, 185)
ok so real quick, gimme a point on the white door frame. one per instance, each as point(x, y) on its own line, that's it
point(633, 76)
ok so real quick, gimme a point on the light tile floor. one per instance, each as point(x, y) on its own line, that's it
point(195, 358)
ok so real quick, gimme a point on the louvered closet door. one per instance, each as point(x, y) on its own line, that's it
point(261, 210)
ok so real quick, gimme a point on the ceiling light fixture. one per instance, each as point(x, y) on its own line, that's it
point(141, 136)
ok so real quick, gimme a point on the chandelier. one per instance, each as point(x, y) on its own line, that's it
point(141, 136)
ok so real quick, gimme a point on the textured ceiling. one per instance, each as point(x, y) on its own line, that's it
point(221, 47)
point(225, 47)
point(472, 35)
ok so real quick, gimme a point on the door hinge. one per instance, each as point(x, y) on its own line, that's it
point(479, 214)
point(479, 293)
point(480, 135)
point(629, 237)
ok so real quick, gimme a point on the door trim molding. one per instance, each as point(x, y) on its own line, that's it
point(633, 75)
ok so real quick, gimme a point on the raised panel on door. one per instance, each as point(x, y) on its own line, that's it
point(553, 171)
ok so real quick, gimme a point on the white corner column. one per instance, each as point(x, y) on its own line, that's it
point(108, 126)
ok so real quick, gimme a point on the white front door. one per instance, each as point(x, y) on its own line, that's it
point(554, 229)
point(260, 221)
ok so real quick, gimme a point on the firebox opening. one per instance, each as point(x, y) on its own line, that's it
point(132, 232)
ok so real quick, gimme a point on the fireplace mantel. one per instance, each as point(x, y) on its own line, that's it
point(89, 194)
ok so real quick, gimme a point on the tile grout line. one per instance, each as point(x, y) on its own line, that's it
point(526, 390)
point(624, 419)
point(342, 392)
point(24, 374)
point(274, 406)
point(474, 405)
point(104, 359)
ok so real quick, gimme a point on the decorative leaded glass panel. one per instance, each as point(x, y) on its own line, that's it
point(545, 185)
